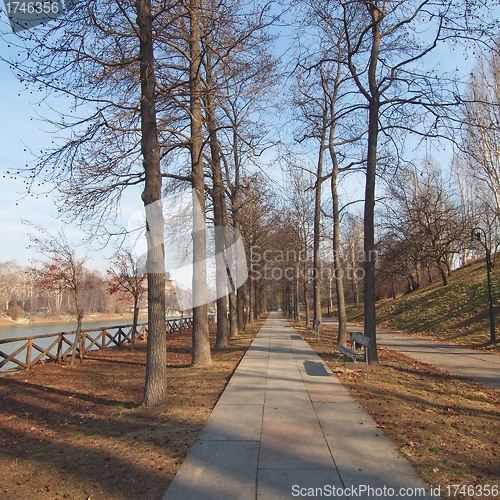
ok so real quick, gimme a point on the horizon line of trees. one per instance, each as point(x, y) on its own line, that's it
point(171, 95)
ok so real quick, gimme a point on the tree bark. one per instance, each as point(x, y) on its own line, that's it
point(442, 272)
point(78, 336)
point(201, 343)
point(370, 321)
point(306, 302)
point(317, 314)
point(156, 360)
point(240, 307)
point(233, 315)
point(296, 307)
point(135, 321)
point(219, 206)
point(337, 261)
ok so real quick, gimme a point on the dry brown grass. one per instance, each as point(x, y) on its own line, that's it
point(81, 433)
point(448, 428)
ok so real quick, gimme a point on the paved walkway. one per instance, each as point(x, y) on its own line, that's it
point(482, 367)
point(285, 423)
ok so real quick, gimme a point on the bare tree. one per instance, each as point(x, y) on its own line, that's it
point(63, 271)
point(201, 345)
point(238, 75)
point(10, 281)
point(352, 253)
point(329, 111)
point(258, 218)
point(127, 279)
point(100, 55)
point(425, 218)
point(156, 365)
point(300, 208)
point(481, 135)
point(386, 57)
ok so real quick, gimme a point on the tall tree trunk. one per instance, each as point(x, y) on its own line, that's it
point(256, 303)
point(442, 272)
point(240, 308)
point(337, 261)
point(220, 214)
point(78, 335)
point(237, 320)
point(306, 302)
point(201, 343)
point(369, 235)
point(355, 292)
point(156, 361)
point(370, 321)
point(296, 307)
point(135, 321)
point(316, 234)
point(233, 315)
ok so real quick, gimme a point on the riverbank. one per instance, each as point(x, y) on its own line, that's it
point(42, 319)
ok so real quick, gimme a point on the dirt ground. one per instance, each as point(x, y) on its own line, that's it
point(448, 428)
point(81, 433)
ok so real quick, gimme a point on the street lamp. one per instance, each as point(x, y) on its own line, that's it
point(475, 235)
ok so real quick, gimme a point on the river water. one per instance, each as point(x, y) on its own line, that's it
point(15, 331)
point(18, 331)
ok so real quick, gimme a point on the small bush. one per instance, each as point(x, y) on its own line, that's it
point(15, 311)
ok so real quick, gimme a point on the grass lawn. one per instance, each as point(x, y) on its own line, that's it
point(457, 313)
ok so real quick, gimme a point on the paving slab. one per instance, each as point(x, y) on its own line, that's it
point(233, 422)
point(286, 484)
point(285, 427)
point(217, 470)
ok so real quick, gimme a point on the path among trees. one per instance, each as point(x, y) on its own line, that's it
point(285, 423)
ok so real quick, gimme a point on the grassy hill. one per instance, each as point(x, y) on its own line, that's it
point(457, 313)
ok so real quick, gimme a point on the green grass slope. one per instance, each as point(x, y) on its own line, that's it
point(457, 313)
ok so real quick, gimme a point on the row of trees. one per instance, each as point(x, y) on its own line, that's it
point(423, 233)
point(47, 289)
point(169, 94)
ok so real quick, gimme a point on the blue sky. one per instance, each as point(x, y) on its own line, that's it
point(20, 127)
point(22, 130)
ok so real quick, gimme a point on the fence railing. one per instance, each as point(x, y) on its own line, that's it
point(26, 352)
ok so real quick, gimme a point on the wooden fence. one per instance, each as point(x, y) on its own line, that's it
point(57, 346)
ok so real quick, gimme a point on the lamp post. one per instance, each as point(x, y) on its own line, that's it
point(475, 235)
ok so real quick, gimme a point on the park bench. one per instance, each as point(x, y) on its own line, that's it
point(357, 352)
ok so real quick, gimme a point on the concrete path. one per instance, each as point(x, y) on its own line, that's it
point(481, 367)
point(285, 424)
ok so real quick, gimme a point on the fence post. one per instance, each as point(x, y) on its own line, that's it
point(59, 347)
point(28, 354)
point(83, 338)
